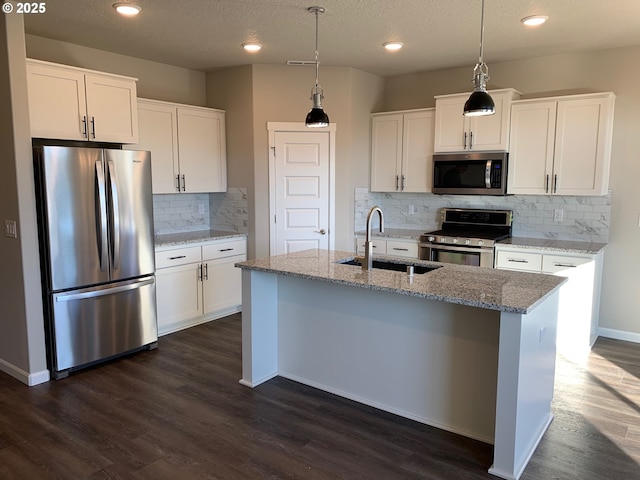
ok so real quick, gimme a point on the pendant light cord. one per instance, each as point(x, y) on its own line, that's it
point(480, 61)
point(317, 11)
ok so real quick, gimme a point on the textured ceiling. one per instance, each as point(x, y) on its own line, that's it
point(206, 34)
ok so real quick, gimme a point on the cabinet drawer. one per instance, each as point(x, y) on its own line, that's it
point(530, 262)
point(379, 246)
point(178, 256)
point(224, 249)
point(558, 263)
point(402, 249)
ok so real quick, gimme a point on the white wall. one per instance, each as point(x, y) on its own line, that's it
point(614, 70)
point(22, 347)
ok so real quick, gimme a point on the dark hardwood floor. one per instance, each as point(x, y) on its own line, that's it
point(180, 413)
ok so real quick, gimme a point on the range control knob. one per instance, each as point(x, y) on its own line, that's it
point(480, 243)
point(443, 239)
point(431, 239)
point(455, 240)
point(467, 241)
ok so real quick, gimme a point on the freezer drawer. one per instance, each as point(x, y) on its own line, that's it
point(98, 323)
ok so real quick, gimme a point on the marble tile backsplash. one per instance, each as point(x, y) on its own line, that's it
point(585, 218)
point(188, 212)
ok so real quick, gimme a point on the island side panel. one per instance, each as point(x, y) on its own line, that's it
point(259, 327)
point(526, 373)
point(430, 361)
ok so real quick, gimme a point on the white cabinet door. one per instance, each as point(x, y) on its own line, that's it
point(583, 146)
point(402, 151)
point(202, 150)
point(561, 145)
point(69, 103)
point(417, 152)
point(222, 286)
point(386, 152)
point(178, 296)
point(112, 109)
point(158, 133)
point(531, 147)
point(456, 133)
point(57, 106)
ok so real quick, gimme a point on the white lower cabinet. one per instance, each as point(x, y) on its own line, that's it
point(579, 305)
point(196, 284)
point(393, 247)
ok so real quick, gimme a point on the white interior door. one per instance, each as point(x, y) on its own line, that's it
point(301, 191)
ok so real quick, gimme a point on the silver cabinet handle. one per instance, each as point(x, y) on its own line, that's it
point(225, 250)
point(555, 183)
point(200, 272)
point(471, 141)
point(177, 257)
point(206, 271)
point(93, 127)
point(517, 260)
point(84, 126)
point(567, 265)
point(465, 140)
point(322, 231)
point(402, 184)
point(178, 182)
point(546, 184)
point(397, 180)
point(184, 184)
point(400, 249)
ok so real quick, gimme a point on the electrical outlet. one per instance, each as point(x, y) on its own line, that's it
point(10, 229)
point(558, 215)
point(201, 208)
point(411, 210)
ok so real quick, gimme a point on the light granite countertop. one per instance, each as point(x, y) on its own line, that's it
point(564, 246)
point(199, 236)
point(402, 233)
point(488, 288)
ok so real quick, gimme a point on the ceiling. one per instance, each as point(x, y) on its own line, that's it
point(206, 34)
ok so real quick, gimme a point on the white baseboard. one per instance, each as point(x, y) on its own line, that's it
point(29, 379)
point(619, 335)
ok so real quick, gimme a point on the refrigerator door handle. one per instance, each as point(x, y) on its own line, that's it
point(89, 293)
point(115, 218)
point(102, 207)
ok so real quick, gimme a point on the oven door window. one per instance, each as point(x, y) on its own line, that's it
point(459, 258)
point(465, 174)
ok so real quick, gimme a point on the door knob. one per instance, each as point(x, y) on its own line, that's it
point(322, 231)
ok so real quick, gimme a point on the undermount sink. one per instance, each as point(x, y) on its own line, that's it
point(397, 267)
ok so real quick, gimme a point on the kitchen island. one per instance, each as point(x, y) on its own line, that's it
point(467, 349)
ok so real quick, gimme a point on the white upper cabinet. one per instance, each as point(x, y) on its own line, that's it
point(561, 145)
point(187, 145)
point(402, 151)
point(70, 103)
point(455, 132)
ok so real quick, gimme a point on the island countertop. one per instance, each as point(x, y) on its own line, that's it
point(502, 290)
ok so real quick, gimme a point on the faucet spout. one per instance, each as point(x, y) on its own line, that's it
point(367, 264)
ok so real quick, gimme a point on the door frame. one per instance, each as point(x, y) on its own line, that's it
point(274, 127)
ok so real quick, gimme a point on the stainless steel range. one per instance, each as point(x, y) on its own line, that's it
point(467, 236)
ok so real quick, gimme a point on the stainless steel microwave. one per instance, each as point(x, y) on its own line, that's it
point(471, 173)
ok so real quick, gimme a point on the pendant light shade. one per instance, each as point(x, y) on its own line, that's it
point(480, 102)
point(317, 117)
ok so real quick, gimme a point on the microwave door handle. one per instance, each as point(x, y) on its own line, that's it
point(487, 174)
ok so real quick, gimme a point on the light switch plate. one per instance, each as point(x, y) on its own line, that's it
point(558, 215)
point(10, 229)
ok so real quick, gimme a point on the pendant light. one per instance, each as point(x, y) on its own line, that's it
point(480, 102)
point(316, 117)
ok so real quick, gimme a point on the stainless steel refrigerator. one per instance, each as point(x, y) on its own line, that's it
point(97, 254)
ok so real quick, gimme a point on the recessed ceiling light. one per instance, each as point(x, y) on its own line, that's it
point(252, 46)
point(127, 9)
point(534, 20)
point(393, 46)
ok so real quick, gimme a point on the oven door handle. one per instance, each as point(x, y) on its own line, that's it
point(460, 249)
